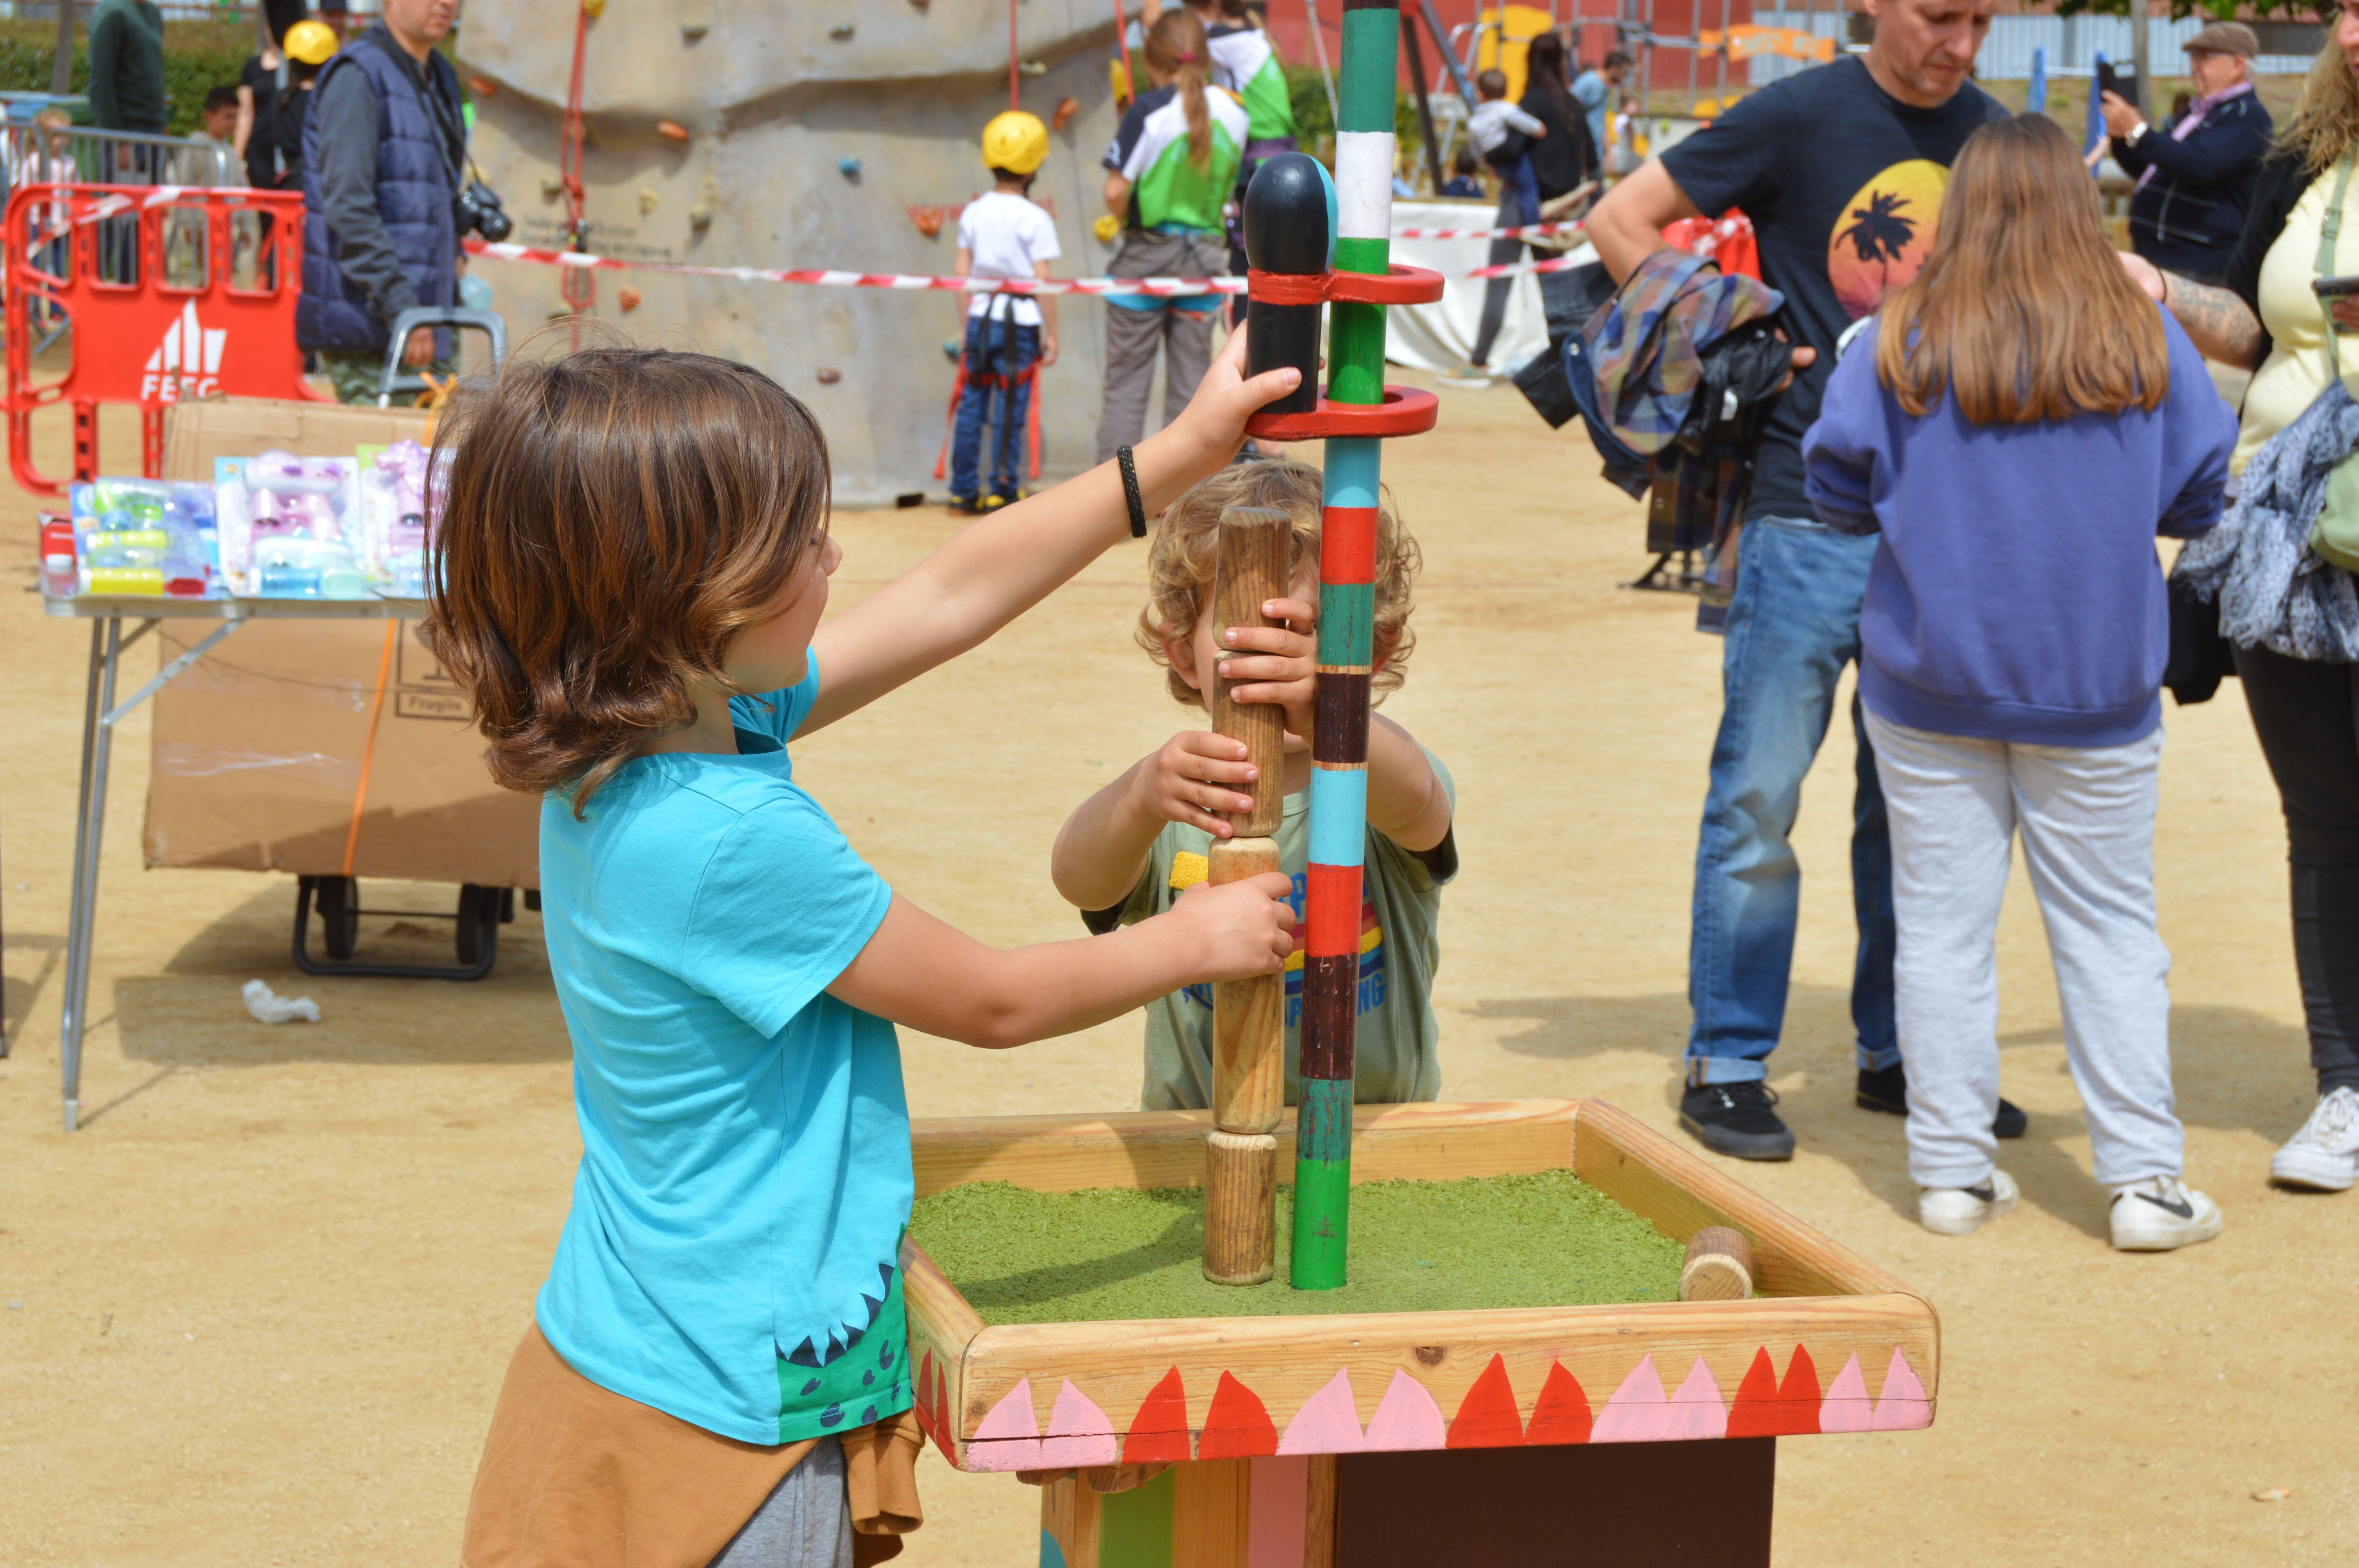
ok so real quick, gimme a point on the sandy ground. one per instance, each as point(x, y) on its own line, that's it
point(258, 1310)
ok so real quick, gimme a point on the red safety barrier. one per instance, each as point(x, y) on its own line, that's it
point(170, 296)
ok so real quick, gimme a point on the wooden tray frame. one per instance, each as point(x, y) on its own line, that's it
point(1830, 1343)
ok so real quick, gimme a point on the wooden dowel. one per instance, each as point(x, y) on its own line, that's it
point(1240, 1208)
point(1718, 1267)
point(1318, 1529)
point(1248, 1016)
point(1255, 566)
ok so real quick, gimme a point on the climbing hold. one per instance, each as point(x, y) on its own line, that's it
point(1107, 228)
point(483, 87)
point(953, 347)
point(841, 31)
point(671, 130)
point(646, 199)
point(928, 219)
point(594, 7)
point(628, 298)
point(700, 216)
point(848, 166)
point(1120, 78)
point(551, 187)
point(829, 375)
point(1033, 67)
point(1066, 109)
point(694, 29)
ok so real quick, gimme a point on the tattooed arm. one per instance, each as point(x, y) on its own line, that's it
point(2222, 326)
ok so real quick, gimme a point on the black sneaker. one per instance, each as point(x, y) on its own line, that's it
point(1735, 1119)
point(1887, 1091)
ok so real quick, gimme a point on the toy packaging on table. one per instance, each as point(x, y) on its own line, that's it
point(270, 526)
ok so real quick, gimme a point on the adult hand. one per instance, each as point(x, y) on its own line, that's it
point(1281, 662)
point(1240, 929)
point(420, 350)
point(1190, 779)
point(2143, 272)
point(2345, 312)
point(1804, 358)
point(2121, 115)
point(1214, 419)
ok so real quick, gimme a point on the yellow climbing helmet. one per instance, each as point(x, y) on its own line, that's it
point(1015, 141)
point(313, 43)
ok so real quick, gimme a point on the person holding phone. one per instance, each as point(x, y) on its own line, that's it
point(2302, 678)
point(2195, 177)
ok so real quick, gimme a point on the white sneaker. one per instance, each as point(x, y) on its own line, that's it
point(2324, 1155)
point(2161, 1213)
point(1960, 1211)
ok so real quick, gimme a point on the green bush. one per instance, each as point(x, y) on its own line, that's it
point(1315, 123)
point(198, 57)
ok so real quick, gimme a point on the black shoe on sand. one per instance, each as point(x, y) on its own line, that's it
point(1736, 1119)
point(1887, 1091)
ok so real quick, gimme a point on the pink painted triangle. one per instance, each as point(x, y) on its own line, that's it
point(1407, 1419)
point(1328, 1422)
point(1009, 1437)
point(1078, 1432)
point(1697, 1410)
point(1846, 1407)
point(1904, 1406)
point(1637, 1412)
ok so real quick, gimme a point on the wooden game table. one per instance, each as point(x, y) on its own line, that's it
point(1596, 1436)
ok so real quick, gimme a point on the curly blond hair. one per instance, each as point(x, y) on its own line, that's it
point(1187, 542)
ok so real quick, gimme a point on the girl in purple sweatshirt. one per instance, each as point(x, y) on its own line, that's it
point(2017, 426)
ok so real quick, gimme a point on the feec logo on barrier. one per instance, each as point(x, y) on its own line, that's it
point(188, 363)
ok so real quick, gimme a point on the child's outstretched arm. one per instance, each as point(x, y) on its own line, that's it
point(918, 971)
point(1000, 567)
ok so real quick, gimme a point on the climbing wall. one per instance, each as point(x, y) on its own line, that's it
point(748, 133)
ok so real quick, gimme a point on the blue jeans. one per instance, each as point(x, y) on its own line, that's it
point(998, 352)
point(1527, 187)
point(1793, 624)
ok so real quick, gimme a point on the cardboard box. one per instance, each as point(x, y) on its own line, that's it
point(258, 747)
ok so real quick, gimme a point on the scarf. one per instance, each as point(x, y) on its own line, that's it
point(2189, 122)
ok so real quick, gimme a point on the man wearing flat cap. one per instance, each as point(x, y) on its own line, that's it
point(2195, 177)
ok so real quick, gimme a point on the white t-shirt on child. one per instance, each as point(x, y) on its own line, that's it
point(1006, 234)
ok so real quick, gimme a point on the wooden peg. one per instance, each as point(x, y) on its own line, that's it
point(1240, 1208)
point(1248, 1016)
point(1718, 1267)
point(1255, 566)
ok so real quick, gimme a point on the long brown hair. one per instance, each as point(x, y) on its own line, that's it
point(609, 521)
point(2022, 313)
point(2326, 125)
point(1176, 46)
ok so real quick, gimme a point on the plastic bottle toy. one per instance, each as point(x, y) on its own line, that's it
point(293, 495)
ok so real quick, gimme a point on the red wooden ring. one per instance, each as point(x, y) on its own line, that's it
point(1406, 411)
point(1400, 285)
point(1286, 287)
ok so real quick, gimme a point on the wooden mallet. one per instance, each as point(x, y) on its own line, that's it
point(1254, 565)
point(1718, 1267)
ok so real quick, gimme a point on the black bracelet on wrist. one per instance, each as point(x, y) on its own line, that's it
point(1130, 492)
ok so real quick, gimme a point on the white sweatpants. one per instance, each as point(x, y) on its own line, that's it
point(2087, 820)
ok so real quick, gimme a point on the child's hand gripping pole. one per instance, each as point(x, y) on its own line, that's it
point(1248, 1015)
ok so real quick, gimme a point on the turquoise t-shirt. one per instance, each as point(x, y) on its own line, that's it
point(731, 1254)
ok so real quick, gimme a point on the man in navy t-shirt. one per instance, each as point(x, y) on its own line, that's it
point(1841, 170)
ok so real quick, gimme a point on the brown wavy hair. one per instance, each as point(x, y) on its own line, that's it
point(2325, 124)
point(1178, 47)
point(2021, 313)
point(1188, 544)
point(609, 521)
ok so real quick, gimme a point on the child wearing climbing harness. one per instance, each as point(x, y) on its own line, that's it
point(1131, 849)
point(2015, 430)
point(1168, 173)
point(1008, 335)
point(631, 571)
point(1246, 66)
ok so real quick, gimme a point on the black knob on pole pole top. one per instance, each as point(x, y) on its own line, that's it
point(1289, 228)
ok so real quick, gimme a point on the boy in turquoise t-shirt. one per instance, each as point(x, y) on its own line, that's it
point(632, 544)
point(1133, 848)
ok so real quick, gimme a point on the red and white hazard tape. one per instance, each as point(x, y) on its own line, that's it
point(1525, 231)
point(1159, 287)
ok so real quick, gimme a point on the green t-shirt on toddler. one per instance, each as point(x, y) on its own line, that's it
point(1396, 1056)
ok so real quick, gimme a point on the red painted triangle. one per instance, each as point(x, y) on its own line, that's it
point(1159, 1433)
point(1238, 1426)
point(1488, 1417)
point(1756, 1413)
point(1798, 1395)
point(1563, 1413)
point(926, 1392)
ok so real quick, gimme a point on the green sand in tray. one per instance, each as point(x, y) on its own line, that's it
point(1547, 1240)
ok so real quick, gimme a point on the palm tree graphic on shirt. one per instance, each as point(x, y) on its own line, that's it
point(1878, 233)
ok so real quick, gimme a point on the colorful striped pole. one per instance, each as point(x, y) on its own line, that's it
point(1339, 779)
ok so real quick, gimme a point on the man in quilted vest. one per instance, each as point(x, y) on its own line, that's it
point(383, 148)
